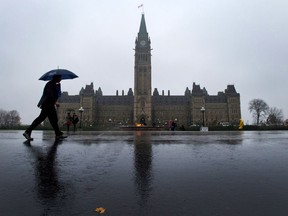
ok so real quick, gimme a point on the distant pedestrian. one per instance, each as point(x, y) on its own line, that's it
point(75, 120)
point(173, 126)
point(68, 121)
point(48, 104)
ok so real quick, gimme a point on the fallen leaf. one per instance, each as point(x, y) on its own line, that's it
point(100, 210)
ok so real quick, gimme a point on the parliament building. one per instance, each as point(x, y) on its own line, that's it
point(142, 106)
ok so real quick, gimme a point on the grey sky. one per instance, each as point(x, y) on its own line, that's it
point(212, 43)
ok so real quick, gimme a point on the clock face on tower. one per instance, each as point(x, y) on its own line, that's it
point(142, 42)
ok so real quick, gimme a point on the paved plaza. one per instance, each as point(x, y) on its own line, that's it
point(145, 173)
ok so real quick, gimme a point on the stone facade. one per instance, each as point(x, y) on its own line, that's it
point(141, 106)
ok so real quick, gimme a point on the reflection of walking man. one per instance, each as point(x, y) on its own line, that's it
point(48, 185)
point(47, 103)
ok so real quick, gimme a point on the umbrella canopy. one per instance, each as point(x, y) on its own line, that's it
point(65, 74)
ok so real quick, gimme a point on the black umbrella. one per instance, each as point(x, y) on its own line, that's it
point(65, 74)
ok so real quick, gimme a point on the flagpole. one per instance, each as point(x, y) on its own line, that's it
point(141, 6)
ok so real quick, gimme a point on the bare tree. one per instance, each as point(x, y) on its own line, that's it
point(3, 115)
point(9, 118)
point(275, 116)
point(258, 108)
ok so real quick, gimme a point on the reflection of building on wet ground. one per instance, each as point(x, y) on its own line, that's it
point(145, 173)
point(154, 108)
point(143, 165)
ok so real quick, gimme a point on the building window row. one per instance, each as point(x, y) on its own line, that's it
point(143, 57)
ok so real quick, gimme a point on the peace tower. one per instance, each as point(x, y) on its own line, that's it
point(142, 76)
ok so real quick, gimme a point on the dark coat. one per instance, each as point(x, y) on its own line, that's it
point(51, 93)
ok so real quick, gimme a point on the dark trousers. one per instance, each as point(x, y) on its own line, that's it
point(74, 127)
point(49, 112)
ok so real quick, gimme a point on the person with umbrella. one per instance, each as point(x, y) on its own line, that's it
point(48, 104)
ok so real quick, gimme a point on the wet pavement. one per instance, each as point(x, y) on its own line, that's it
point(145, 173)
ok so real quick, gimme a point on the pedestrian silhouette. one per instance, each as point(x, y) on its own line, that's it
point(48, 104)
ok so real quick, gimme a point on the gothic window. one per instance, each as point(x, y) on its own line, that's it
point(142, 102)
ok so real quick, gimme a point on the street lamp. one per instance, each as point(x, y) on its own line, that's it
point(203, 113)
point(81, 110)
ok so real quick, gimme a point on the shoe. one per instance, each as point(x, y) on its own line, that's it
point(60, 136)
point(27, 136)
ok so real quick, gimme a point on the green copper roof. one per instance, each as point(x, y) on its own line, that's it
point(143, 31)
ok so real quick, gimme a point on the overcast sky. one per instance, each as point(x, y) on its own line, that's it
point(210, 42)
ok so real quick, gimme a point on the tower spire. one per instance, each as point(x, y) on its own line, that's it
point(143, 30)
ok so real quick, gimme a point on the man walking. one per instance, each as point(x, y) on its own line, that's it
point(75, 120)
point(48, 104)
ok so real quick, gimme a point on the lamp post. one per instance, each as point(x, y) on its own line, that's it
point(110, 123)
point(81, 110)
point(203, 114)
